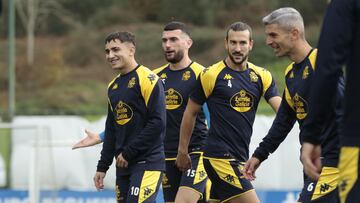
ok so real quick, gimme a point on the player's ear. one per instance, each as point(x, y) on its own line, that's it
point(226, 43)
point(132, 49)
point(294, 33)
point(189, 43)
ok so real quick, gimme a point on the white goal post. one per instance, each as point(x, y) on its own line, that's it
point(34, 158)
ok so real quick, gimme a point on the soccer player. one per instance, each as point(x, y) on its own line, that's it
point(232, 89)
point(285, 33)
point(135, 124)
point(339, 45)
point(179, 77)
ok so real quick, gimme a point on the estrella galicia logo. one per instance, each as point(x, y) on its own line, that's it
point(123, 112)
point(300, 106)
point(242, 101)
point(173, 99)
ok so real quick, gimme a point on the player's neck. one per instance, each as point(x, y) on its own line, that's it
point(234, 66)
point(183, 63)
point(300, 52)
point(129, 67)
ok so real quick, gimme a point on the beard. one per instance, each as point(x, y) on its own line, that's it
point(178, 56)
point(232, 58)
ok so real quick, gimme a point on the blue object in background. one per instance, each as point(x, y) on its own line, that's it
point(207, 114)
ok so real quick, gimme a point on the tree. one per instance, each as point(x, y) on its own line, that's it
point(32, 12)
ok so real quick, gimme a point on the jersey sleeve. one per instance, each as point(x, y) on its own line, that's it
point(108, 150)
point(270, 89)
point(198, 95)
point(283, 123)
point(336, 42)
point(156, 119)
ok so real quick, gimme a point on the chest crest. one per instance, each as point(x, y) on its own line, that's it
point(253, 77)
point(186, 75)
point(163, 76)
point(305, 73)
point(131, 82)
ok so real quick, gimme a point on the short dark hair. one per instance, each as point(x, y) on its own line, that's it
point(239, 26)
point(175, 25)
point(122, 36)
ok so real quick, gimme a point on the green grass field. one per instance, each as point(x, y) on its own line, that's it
point(5, 143)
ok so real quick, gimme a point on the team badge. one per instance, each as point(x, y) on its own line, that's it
point(186, 75)
point(118, 194)
point(305, 73)
point(165, 182)
point(253, 77)
point(132, 82)
point(163, 76)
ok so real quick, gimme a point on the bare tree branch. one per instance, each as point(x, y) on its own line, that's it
point(33, 11)
point(19, 4)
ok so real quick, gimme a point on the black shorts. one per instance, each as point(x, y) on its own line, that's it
point(349, 166)
point(227, 181)
point(324, 190)
point(141, 186)
point(194, 178)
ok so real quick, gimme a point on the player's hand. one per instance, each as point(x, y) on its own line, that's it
point(121, 162)
point(99, 180)
point(310, 158)
point(90, 140)
point(250, 167)
point(183, 161)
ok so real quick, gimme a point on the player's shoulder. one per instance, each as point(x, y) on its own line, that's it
point(213, 70)
point(260, 71)
point(257, 69)
point(112, 81)
point(312, 58)
point(145, 73)
point(196, 68)
point(161, 68)
point(289, 68)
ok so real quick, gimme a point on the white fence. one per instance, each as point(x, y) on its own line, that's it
point(47, 150)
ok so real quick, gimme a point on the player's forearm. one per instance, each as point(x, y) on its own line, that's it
point(186, 129)
point(107, 156)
